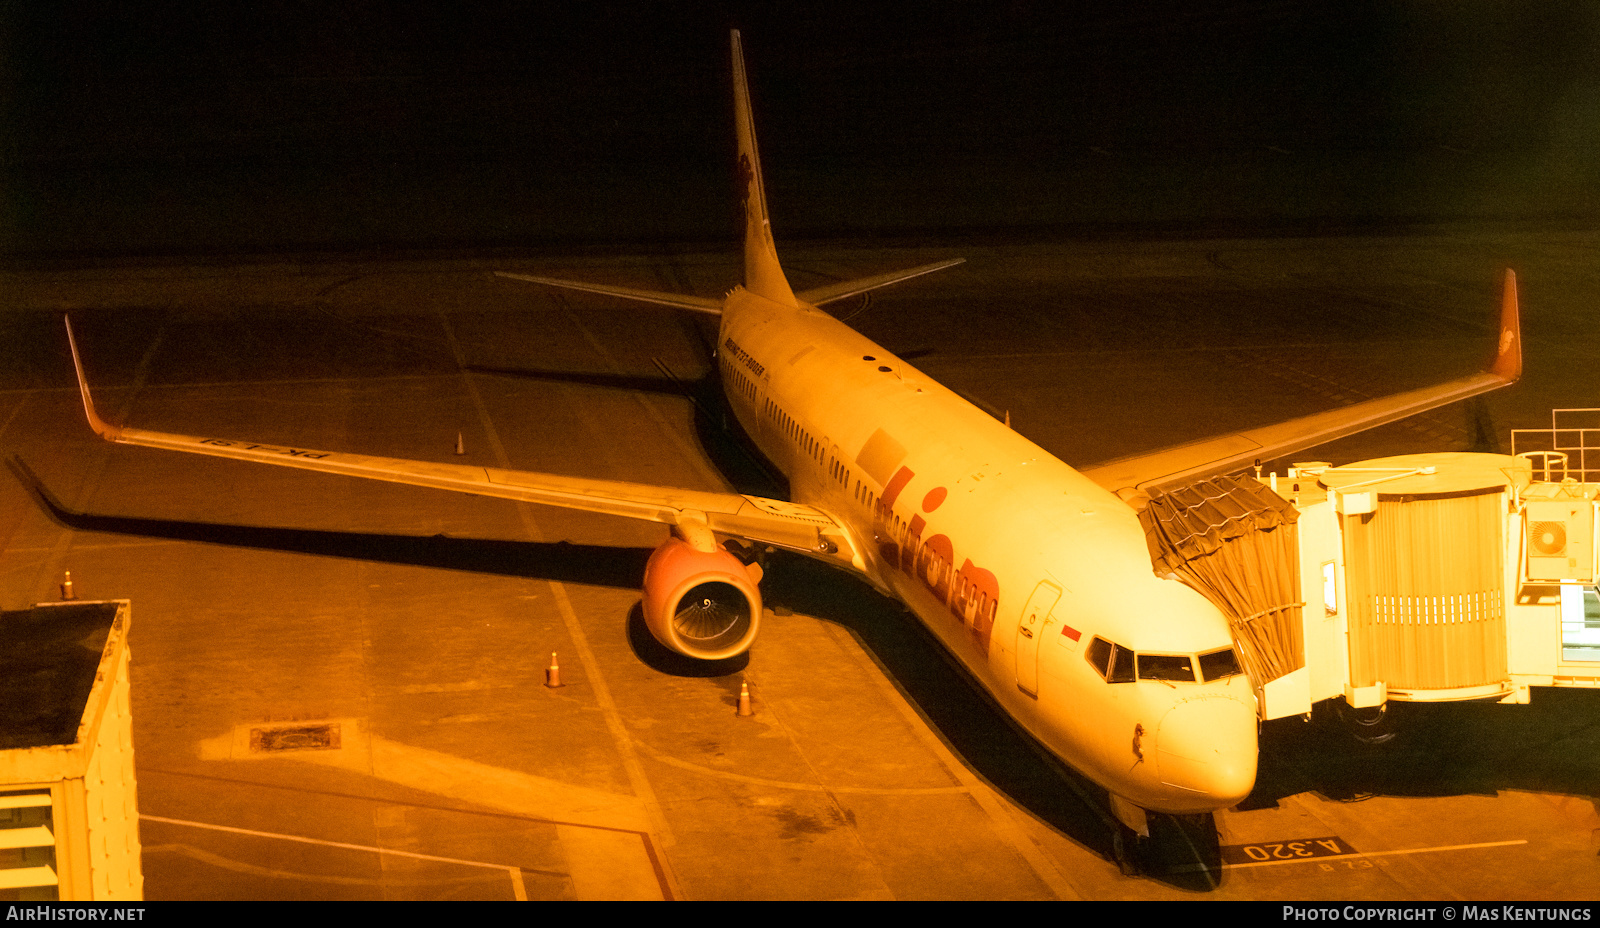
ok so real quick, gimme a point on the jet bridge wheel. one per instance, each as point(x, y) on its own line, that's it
point(1372, 725)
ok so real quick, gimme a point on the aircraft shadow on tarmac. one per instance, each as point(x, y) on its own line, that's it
point(600, 565)
point(730, 453)
point(727, 449)
point(1438, 749)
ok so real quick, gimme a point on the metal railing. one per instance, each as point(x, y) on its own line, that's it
point(1570, 447)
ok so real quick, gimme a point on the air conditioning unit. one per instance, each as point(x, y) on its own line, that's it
point(1560, 539)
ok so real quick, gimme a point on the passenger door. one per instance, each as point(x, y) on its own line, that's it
point(1030, 631)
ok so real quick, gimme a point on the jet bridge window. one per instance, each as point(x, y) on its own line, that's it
point(1580, 630)
point(1218, 664)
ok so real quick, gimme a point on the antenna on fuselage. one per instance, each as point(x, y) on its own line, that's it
point(762, 274)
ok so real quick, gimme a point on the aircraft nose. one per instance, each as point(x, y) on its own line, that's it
point(1208, 746)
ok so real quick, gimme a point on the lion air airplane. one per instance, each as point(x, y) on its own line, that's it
point(1034, 575)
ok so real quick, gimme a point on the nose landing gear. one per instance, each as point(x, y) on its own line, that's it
point(1181, 850)
point(1126, 850)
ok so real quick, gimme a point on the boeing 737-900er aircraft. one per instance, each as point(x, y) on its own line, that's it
point(1034, 575)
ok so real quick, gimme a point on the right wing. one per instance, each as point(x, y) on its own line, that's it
point(796, 527)
point(1133, 478)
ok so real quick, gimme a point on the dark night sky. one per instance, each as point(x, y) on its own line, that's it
point(350, 125)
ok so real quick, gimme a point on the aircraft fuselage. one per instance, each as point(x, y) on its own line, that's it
point(1014, 560)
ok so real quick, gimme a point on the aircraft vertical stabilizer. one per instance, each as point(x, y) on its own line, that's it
point(762, 274)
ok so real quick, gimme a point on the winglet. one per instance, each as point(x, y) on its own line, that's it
point(1508, 357)
point(102, 428)
point(762, 274)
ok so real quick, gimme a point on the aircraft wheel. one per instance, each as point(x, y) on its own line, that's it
point(1125, 850)
point(1183, 849)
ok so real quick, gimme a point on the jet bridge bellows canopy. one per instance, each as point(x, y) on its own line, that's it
point(1234, 540)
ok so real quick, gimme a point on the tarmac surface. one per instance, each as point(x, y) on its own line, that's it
point(338, 685)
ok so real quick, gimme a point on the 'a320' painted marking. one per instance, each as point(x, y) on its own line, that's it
point(1299, 849)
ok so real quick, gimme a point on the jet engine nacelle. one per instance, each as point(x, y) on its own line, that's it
point(704, 604)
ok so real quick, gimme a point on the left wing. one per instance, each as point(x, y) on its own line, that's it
point(796, 527)
point(1134, 477)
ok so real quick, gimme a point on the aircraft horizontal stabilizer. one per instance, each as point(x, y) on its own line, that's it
point(680, 301)
point(793, 526)
point(828, 294)
point(1132, 478)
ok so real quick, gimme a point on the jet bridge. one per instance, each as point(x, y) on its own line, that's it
point(1419, 578)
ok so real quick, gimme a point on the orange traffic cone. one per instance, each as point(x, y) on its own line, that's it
point(552, 674)
point(66, 588)
point(461, 446)
point(744, 700)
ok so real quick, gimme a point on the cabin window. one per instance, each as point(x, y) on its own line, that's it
point(1218, 664)
point(1178, 667)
